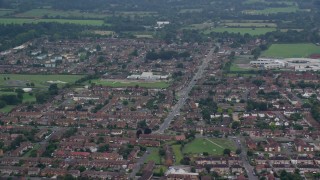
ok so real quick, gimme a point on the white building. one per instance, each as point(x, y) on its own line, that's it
point(147, 76)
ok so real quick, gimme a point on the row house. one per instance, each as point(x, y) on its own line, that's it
point(22, 148)
point(103, 175)
point(279, 160)
point(280, 167)
point(149, 143)
point(296, 159)
point(211, 160)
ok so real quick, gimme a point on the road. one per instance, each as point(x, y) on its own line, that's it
point(244, 159)
point(184, 93)
point(139, 163)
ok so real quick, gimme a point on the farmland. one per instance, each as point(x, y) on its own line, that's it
point(39, 13)
point(251, 31)
point(266, 11)
point(62, 21)
point(40, 81)
point(291, 50)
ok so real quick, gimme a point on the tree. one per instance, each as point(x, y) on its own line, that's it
point(142, 124)
point(82, 168)
point(162, 152)
point(53, 89)
point(235, 125)
point(249, 153)
point(185, 160)
point(138, 133)
point(238, 151)
point(227, 152)
point(103, 148)
point(147, 131)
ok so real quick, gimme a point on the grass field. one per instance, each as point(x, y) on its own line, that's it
point(213, 146)
point(291, 50)
point(251, 24)
point(62, 21)
point(115, 84)
point(288, 9)
point(38, 13)
point(26, 96)
point(4, 12)
point(190, 10)
point(7, 109)
point(251, 31)
point(154, 156)
point(177, 153)
point(20, 80)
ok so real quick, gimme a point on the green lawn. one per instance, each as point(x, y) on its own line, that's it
point(7, 109)
point(36, 147)
point(177, 153)
point(28, 98)
point(235, 67)
point(251, 31)
point(38, 13)
point(215, 147)
point(291, 50)
point(20, 80)
point(154, 156)
point(62, 21)
point(157, 85)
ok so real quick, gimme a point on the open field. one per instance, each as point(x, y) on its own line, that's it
point(190, 10)
point(288, 9)
point(39, 13)
point(157, 84)
point(26, 96)
point(136, 13)
point(291, 50)
point(62, 21)
point(267, 2)
point(251, 31)
point(4, 12)
point(7, 109)
point(250, 24)
point(213, 146)
point(177, 153)
point(154, 156)
point(20, 80)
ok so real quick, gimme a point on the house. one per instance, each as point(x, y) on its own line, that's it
point(103, 175)
point(236, 169)
point(272, 146)
point(251, 144)
point(280, 167)
point(302, 146)
point(279, 160)
point(211, 160)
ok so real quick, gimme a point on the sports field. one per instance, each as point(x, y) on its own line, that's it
point(251, 31)
point(291, 50)
point(62, 21)
point(21, 80)
point(213, 146)
point(115, 84)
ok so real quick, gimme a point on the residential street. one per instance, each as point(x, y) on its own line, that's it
point(184, 93)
